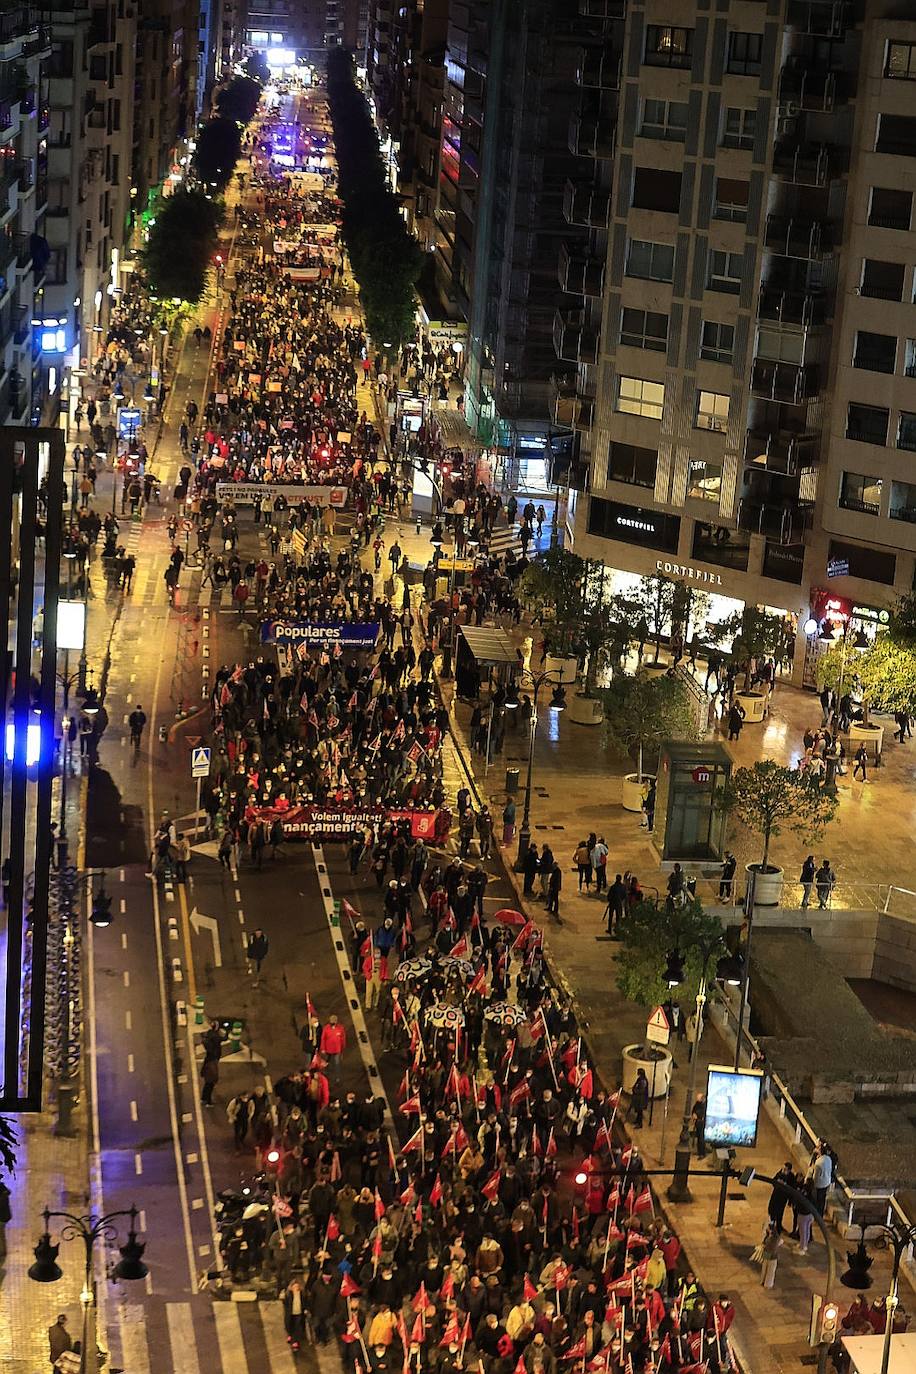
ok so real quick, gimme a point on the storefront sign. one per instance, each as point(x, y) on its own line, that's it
point(349, 635)
point(246, 493)
point(701, 774)
point(871, 615)
point(692, 574)
point(339, 822)
point(838, 567)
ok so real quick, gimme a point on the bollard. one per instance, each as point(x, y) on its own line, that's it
point(235, 1037)
point(335, 917)
point(198, 1010)
point(163, 734)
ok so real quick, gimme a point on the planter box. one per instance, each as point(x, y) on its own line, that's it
point(634, 791)
point(564, 670)
point(872, 736)
point(767, 886)
point(584, 710)
point(646, 1057)
point(753, 704)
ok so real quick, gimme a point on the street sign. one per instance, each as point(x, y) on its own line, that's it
point(701, 774)
point(658, 1031)
point(200, 762)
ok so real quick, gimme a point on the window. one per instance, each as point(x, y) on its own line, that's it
point(744, 53)
point(875, 352)
point(644, 329)
point(868, 424)
point(740, 128)
point(667, 46)
point(871, 564)
point(638, 397)
point(61, 63)
point(909, 364)
point(890, 209)
point(712, 411)
point(906, 431)
point(897, 135)
point(717, 342)
point(882, 280)
point(903, 502)
point(731, 200)
point(860, 492)
point(634, 525)
point(900, 62)
point(654, 189)
point(651, 261)
point(629, 463)
point(704, 479)
point(725, 271)
point(664, 119)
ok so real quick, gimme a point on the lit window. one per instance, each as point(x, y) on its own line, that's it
point(638, 397)
point(712, 411)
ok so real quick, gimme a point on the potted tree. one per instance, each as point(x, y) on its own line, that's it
point(886, 673)
point(642, 711)
point(655, 603)
point(552, 582)
point(648, 935)
point(767, 798)
point(754, 634)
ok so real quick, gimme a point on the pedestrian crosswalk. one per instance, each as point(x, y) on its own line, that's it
point(204, 1336)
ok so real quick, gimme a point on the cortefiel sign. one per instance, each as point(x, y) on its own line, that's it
point(349, 635)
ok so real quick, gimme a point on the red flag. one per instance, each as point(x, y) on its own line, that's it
point(520, 1093)
point(452, 1331)
point(377, 1246)
point(411, 1106)
point(537, 1148)
point(452, 1084)
point(418, 1213)
point(490, 1189)
point(575, 1352)
point(408, 1197)
point(309, 1007)
point(333, 1230)
point(352, 1332)
point(602, 1136)
point(402, 1330)
point(643, 1202)
point(435, 1193)
point(520, 1367)
point(379, 1206)
point(448, 1285)
point(349, 911)
point(421, 1300)
point(466, 1332)
point(614, 1100)
point(560, 1277)
point(537, 1027)
point(522, 938)
point(461, 949)
point(507, 917)
point(348, 1287)
point(529, 1292)
point(391, 1157)
point(575, 1226)
point(635, 1240)
point(551, 1151)
point(413, 1143)
point(417, 1333)
point(461, 1139)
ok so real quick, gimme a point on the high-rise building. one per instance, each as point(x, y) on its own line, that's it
point(744, 419)
point(164, 91)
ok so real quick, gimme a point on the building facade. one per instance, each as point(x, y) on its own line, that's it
point(165, 83)
point(746, 424)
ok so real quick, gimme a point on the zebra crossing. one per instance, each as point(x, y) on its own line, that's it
point(211, 1337)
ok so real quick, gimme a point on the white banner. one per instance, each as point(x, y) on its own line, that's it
point(246, 493)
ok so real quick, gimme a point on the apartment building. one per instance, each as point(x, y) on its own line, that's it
point(164, 92)
point(759, 212)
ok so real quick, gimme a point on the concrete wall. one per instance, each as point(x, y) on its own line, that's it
point(862, 944)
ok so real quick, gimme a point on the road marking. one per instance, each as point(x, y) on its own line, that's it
point(198, 1106)
point(121, 877)
point(181, 1337)
point(123, 933)
point(126, 976)
point(138, 1164)
point(229, 1338)
point(134, 1347)
point(128, 1021)
point(197, 1204)
point(192, 1158)
point(241, 918)
point(279, 1356)
point(141, 1217)
point(124, 913)
point(130, 1063)
point(133, 1110)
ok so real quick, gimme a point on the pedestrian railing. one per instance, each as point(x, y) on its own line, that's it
point(889, 898)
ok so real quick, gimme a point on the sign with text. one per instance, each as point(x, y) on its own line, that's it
point(349, 635)
point(732, 1106)
point(340, 822)
point(246, 493)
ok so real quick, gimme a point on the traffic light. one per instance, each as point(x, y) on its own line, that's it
point(827, 1323)
point(100, 916)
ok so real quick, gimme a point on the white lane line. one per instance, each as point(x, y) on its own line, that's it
point(126, 976)
point(134, 1347)
point(128, 1020)
point(181, 1338)
point(123, 913)
point(130, 1063)
point(121, 877)
point(141, 1217)
point(279, 1356)
point(241, 918)
point(354, 1005)
point(229, 1338)
point(123, 933)
point(138, 1165)
point(133, 1110)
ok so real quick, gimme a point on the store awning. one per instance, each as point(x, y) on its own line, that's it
point(865, 1353)
point(491, 648)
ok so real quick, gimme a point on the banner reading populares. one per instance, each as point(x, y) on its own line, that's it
point(356, 635)
point(246, 493)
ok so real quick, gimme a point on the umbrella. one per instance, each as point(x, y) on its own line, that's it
point(505, 1013)
point(413, 968)
point(462, 967)
point(507, 917)
point(444, 1016)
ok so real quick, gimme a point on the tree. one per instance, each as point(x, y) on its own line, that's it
point(182, 240)
point(887, 675)
point(8, 1142)
point(238, 99)
point(655, 601)
point(836, 666)
point(768, 798)
point(648, 935)
point(256, 67)
point(754, 634)
point(586, 623)
point(643, 711)
point(219, 147)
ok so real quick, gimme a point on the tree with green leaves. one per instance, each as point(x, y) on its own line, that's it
point(886, 674)
point(182, 241)
point(654, 602)
point(769, 798)
point(587, 623)
point(219, 147)
point(238, 99)
point(643, 711)
point(754, 634)
point(649, 934)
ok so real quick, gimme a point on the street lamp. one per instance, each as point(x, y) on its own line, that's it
point(89, 1229)
point(858, 641)
point(553, 678)
point(900, 1239)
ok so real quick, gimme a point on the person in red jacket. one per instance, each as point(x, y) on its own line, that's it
point(333, 1044)
point(670, 1247)
point(721, 1315)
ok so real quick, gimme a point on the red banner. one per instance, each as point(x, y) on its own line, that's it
point(339, 822)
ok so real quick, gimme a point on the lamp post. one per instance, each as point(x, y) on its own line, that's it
point(89, 1229)
point(535, 681)
point(900, 1239)
point(859, 641)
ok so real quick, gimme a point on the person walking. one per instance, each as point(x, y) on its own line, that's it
point(824, 882)
point(508, 822)
point(727, 876)
point(209, 1077)
point(861, 763)
point(736, 714)
point(554, 885)
point(583, 862)
point(616, 907)
point(806, 878)
point(136, 720)
point(59, 1339)
point(294, 1310)
point(770, 1247)
point(256, 952)
point(639, 1098)
point(333, 1043)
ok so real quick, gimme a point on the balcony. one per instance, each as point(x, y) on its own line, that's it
point(782, 305)
point(598, 69)
point(591, 136)
point(790, 237)
point(8, 255)
point(579, 273)
point(586, 205)
point(13, 23)
point(789, 383)
point(870, 361)
point(860, 507)
point(780, 522)
point(22, 326)
point(806, 164)
point(574, 340)
point(811, 87)
point(821, 18)
point(572, 409)
point(781, 451)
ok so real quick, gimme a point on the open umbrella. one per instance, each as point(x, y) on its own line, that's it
point(413, 968)
point(462, 967)
point(507, 917)
point(444, 1017)
point(505, 1014)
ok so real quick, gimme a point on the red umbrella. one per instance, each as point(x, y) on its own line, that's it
point(506, 917)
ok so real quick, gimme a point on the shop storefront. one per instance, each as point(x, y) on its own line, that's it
point(834, 615)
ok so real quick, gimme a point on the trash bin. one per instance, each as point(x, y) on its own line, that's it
point(511, 780)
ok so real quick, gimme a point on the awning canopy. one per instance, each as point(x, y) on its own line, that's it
point(491, 648)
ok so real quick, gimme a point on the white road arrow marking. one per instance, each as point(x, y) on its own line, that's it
point(201, 922)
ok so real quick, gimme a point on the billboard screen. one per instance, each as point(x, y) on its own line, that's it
point(732, 1105)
